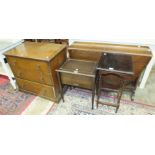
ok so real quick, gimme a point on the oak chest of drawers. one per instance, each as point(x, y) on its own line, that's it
point(34, 65)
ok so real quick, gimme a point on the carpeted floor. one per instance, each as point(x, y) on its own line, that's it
point(12, 102)
point(16, 103)
point(78, 102)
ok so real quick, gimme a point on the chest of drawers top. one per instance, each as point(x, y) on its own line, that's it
point(37, 51)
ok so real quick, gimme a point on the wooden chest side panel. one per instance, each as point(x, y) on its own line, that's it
point(36, 88)
point(30, 69)
point(55, 64)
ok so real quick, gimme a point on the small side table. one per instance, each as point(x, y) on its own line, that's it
point(111, 70)
point(78, 73)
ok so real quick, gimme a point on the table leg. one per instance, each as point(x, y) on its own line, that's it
point(99, 88)
point(93, 92)
point(60, 86)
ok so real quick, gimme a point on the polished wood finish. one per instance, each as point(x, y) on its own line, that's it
point(78, 73)
point(111, 48)
point(141, 55)
point(119, 68)
point(55, 64)
point(36, 88)
point(116, 63)
point(33, 70)
point(34, 65)
point(78, 80)
point(84, 71)
point(78, 66)
point(84, 54)
point(37, 51)
point(57, 41)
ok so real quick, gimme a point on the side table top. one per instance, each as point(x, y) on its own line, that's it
point(73, 66)
point(116, 63)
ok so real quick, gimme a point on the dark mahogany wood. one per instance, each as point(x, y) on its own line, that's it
point(116, 63)
point(78, 73)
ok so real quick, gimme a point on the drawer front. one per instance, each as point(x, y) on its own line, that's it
point(32, 70)
point(77, 80)
point(36, 88)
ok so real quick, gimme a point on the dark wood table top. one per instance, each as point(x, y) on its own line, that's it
point(81, 67)
point(116, 63)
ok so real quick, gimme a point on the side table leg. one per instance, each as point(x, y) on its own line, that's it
point(99, 89)
point(93, 93)
point(60, 86)
point(132, 95)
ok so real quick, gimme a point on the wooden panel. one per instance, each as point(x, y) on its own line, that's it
point(112, 48)
point(141, 55)
point(55, 64)
point(116, 63)
point(39, 51)
point(83, 55)
point(28, 69)
point(34, 65)
point(139, 63)
point(87, 68)
point(77, 80)
point(36, 88)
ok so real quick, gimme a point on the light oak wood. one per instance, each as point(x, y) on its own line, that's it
point(39, 51)
point(111, 48)
point(29, 69)
point(36, 88)
point(34, 65)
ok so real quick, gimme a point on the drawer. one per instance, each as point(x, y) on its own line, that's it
point(32, 70)
point(36, 88)
point(77, 80)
